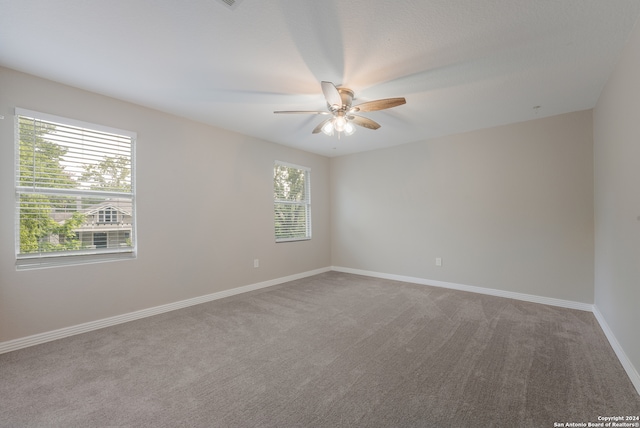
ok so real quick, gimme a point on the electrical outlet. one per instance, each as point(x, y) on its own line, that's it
point(438, 261)
point(256, 263)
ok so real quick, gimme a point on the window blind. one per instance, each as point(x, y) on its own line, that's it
point(71, 177)
point(292, 202)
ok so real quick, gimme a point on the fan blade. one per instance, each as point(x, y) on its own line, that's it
point(332, 95)
point(318, 128)
point(379, 104)
point(364, 122)
point(301, 112)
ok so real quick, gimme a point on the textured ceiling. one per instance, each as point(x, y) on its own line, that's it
point(461, 64)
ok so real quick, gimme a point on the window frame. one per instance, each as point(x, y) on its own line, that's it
point(306, 203)
point(43, 259)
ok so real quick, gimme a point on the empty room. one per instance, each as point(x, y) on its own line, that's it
point(292, 213)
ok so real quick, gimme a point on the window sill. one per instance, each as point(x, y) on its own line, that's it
point(66, 260)
point(279, 241)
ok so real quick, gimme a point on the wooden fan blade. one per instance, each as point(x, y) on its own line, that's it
point(365, 122)
point(379, 104)
point(332, 95)
point(301, 112)
point(318, 128)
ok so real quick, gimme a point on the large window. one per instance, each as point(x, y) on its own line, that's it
point(292, 202)
point(74, 191)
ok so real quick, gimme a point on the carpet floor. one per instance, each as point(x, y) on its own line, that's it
point(331, 350)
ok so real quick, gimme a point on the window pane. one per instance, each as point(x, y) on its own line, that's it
point(61, 156)
point(290, 221)
point(289, 184)
point(54, 223)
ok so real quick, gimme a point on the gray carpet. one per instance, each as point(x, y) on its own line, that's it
point(332, 350)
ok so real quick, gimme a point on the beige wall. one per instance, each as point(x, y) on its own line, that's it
point(508, 208)
point(617, 201)
point(205, 211)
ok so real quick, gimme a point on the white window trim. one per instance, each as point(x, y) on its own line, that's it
point(307, 203)
point(68, 258)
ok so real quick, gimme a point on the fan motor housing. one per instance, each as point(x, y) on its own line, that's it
point(346, 95)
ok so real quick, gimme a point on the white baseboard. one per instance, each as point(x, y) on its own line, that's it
point(624, 360)
point(36, 339)
point(473, 289)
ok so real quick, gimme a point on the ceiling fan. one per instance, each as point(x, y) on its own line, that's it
point(343, 117)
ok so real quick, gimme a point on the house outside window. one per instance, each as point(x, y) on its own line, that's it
point(75, 199)
point(292, 202)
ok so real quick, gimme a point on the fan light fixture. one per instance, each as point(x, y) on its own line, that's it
point(343, 114)
point(338, 124)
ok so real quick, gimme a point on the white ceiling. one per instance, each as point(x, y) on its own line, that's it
point(461, 64)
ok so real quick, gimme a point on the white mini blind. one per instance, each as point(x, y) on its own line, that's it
point(292, 202)
point(74, 189)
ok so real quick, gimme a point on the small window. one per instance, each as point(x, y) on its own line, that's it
point(292, 202)
point(108, 215)
point(74, 190)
